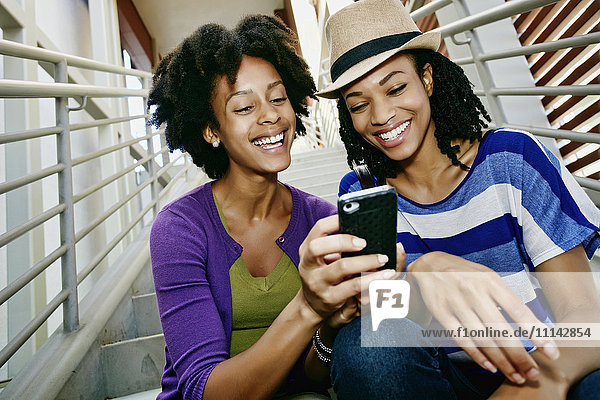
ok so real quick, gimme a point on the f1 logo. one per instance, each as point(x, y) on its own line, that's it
point(388, 299)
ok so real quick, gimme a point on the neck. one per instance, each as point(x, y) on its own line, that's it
point(252, 195)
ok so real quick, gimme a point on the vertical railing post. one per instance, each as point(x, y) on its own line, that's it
point(482, 67)
point(65, 193)
point(150, 150)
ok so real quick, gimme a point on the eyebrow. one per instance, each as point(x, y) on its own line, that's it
point(248, 91)
point(381, 83)
point(389, 76)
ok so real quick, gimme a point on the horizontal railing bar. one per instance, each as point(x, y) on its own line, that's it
point(493, 14)
point(100, 153)
point(11, 235)
point(29, 134)
point(559, 133)
point(575, 41)
point(18, 341)
point(27, 179)
point(34, 271)
point(105, 121)
point(100, 256)
point(84, 231)
point(574, 90)
point(112, 178)
point(588, 183)
point(168, 166)
point(429, 9)
point(173, 180)
point(14, 49)
point(25, 89)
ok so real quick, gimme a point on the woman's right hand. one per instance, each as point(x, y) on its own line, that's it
point(461, 293)
point(328, 280)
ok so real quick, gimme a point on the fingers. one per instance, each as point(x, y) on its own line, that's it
point(400, 257)
point(523, 316)
point(322, 246)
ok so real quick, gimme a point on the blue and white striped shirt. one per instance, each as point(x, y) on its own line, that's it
point(517, 207)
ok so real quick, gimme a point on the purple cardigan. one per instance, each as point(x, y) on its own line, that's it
point(191, 255)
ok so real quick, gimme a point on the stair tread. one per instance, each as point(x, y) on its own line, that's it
point(147, 395)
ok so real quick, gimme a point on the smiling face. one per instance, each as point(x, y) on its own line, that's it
point(390, 107)
point(256, 119)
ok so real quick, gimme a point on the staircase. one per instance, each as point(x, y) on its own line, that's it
point(317, 172)
point(125, 361)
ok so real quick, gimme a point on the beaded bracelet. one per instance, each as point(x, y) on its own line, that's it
point(323, 352)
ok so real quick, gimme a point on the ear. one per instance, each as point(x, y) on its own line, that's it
point(210, 135)
point(427, 79)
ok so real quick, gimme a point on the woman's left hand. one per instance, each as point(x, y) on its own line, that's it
point(346, 314)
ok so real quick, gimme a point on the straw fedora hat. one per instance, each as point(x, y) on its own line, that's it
point(366, 33)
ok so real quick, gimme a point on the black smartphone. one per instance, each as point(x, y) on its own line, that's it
point(371, 214)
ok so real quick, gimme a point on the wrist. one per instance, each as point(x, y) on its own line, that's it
point(305, 312)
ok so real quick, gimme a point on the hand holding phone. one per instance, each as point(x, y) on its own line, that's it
point(371, 215)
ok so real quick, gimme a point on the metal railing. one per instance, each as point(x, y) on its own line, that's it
point(466, 25)
point(61, 91)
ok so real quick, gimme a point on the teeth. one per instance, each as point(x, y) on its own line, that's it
point(393, 134)
point(268, 141)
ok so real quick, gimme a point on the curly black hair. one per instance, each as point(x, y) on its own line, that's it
point(185, 79)
point(455, 110)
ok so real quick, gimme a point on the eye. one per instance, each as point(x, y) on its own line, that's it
point(243, 110)
point(279, 100)
point(358, 107)
point(397, 90)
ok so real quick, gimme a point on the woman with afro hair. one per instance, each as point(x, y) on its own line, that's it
point(484, 217)
point(239, 298)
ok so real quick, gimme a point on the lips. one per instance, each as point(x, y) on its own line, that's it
point(270, 142)
point(395, 136)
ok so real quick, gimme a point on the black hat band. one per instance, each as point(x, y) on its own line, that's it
point(369, 49)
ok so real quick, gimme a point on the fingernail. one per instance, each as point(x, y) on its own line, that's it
point(388, 274)
point(517, 378)
point(382, 258)
point(358, 242)
point(532, 374)
point(490, 367)
point(551, 351)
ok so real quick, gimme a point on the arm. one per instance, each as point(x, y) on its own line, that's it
point(192, 326)
point(573, 297)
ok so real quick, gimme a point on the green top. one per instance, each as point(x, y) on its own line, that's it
point(257, 301)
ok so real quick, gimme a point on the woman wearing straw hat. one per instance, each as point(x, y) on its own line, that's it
point(496, 205)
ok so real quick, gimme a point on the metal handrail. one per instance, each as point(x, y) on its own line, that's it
point(14, 49)
point(36, 221)
point(575, 41)
point(30, 134)
point(113, 243)
point(105, 121)
point(27, 179)
point(61, 90)
point(493, 14)
point(10, 88)
point(429, 9)
point(108, 150)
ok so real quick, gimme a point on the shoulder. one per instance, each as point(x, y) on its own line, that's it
point(349, 183)
point(185, 213)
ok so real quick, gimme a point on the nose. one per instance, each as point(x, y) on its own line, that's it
point(268, 114)
point(381, 112)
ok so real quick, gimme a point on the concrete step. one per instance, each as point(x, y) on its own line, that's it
point(303, 180)
point(314, 170)
point(322, 189)
point(133, 366)
point(147, 319)
point(147, 395)
point(330, 152)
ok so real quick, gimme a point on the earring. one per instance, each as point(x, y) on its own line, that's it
point(215, 144)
